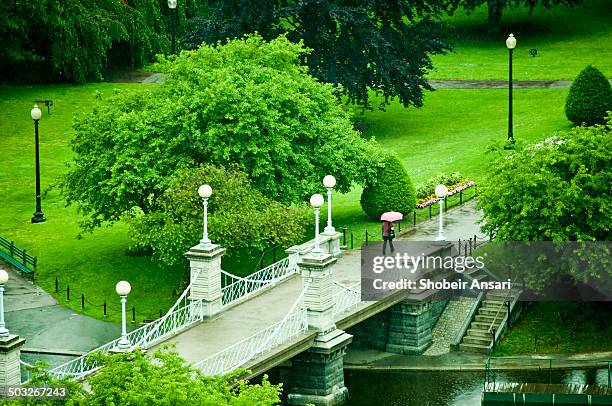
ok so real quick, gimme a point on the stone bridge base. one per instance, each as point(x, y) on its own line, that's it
point(404, 328)
point(317, 375)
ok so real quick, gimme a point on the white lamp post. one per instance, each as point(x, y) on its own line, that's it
point(3, 279)
point(316, 201)
point(123, 289)
point(329, 182)
point(205, 191)
point(510, 43)
point(441, 192)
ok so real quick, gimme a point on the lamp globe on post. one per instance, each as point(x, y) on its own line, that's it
point(4, 277)
point(329, 182)
point(172, 7)
point(39, 217)
point(205, 191)
point(441, 191)
point(123, 289)
point(510, 44)
point(316, 201)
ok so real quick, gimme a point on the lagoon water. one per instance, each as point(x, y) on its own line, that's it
point(447, 388)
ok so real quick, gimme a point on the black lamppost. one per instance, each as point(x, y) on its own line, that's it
point(510, 43)
point(39, 217)
point(172, 7)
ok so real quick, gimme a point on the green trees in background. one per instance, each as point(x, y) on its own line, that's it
point(74, 40)
point(383, 47)
point(247, 103)
point(557, 190)
point(391, 190)
point(496, 8)
point(240, 218)
point(589, 98)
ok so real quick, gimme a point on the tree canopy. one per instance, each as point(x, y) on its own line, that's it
point(557, 190)
point(240, 218)
point(162, 378)
point(496, 8)
point(377, 46)
point(247, 102)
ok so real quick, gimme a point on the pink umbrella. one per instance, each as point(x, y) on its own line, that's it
point(391, 216)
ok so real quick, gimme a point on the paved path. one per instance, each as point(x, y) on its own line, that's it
point(49, 328)
point(244, 320)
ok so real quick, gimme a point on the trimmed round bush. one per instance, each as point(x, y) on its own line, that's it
point(589, 98)
point(392, 190)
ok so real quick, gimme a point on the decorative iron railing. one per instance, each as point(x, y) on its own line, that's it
point(237, 288)
point(345, 297)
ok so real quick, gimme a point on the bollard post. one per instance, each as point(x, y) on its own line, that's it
point(56, 285)
point(344, 235)
point(352, 240)
point(12, 248)
point(366, 241)
point(67, 293)
point(399, 226)
point(82, 301)
point(133, 314)
point(430, 211)
point(414, 217)
point(445, 203)
point(105, 309)
point(461, 197)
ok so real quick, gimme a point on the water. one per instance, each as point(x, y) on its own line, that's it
point(433, 388)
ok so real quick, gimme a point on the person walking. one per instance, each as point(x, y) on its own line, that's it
point(388, 234)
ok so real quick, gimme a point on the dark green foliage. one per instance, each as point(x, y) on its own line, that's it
point(380, 46)
point(496, 8)
point(241, 218)
point(556, 190)
point(391, 190)
point(247, 102)
point(589, 98)
point(75, 40)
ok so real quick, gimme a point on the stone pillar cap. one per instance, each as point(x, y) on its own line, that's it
point(322, 260)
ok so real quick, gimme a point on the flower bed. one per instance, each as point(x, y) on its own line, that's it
point(455, 189)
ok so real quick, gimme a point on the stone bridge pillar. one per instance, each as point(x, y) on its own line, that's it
point(318, 373)
point(205, 266)
point(10, 353)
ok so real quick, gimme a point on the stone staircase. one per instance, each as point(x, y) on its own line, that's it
point(489, 315)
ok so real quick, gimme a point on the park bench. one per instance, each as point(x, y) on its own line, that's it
point(17, 257)
point(46, 102)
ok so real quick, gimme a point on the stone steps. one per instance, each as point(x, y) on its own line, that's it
point(481, 349)
point(477, 340)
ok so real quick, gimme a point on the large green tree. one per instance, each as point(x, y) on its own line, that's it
point(247, 102)
point(497, 7)
point(75, 40)
point(556, 190)
point(379, 46)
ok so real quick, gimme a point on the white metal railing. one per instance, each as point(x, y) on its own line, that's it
point(237, 288)
point(233, 357)
point(168, 325)
point(346, 297)
point(182, 314)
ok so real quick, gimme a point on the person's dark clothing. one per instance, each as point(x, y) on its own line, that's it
point(387, 236)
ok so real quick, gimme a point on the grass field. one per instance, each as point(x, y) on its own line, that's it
point(543, 330)
point(567, 39)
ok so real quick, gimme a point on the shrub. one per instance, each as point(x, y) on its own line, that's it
point(391, 190)
point(590, 96)
point(425, 191)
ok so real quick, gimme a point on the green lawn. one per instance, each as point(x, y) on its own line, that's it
point(451, 133)
point(567, 39)
point(544, 330)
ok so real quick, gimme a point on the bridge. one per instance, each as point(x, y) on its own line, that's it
point(298, 309)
